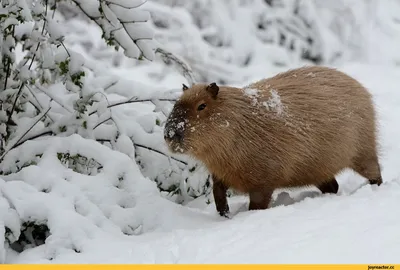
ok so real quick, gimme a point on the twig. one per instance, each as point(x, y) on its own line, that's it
point(37, 47)
point(15, 102)
point(62, 43)
point(110, 85)
point(30, 65)
point(150, 149)
point(134, 101)
point(139, 100)
point(132, 22)
point(102, 122)
point(43, 133)
point(54, 11)
point(8, 63)
point(43, 28)
point(186, 70)
point(159, 152)
point(87, 14)
point(53, 98)
point(7, 72)
point(134, 40)
point(130, 7)
point(37, 100)
point(26, 132)
point(35, 105)
point(45, 12)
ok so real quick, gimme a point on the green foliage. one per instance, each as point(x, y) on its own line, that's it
point(33, 234)
point(80, 164)
point(64, 67)
point(20, 165)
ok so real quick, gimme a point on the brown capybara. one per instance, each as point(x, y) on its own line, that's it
point(298, 128)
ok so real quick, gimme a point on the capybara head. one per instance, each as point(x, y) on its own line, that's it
point(186, 122)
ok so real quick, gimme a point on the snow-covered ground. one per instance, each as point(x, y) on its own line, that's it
point(110, 217)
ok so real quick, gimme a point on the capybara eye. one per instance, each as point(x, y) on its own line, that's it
point(201, 107)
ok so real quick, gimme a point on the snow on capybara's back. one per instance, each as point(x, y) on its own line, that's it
point(298, 128)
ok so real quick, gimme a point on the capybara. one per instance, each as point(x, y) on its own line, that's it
point(298, 128)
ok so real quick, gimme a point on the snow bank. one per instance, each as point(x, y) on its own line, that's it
point(112, 200)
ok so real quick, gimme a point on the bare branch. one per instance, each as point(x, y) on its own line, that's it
point(110, 2)
point(39, 87)
point(30, 66)
point(131, 100)
point(102, 122)
point(8, 149)
point(8, 64)
point(159, 152)
point(44, 132)
point(40, 107)
point(15, 102)
point(127, 22)
point(186, 70)
point(110, 85)
point(150, 149)
point(65, 48)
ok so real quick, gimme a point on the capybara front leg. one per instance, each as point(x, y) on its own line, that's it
point(331, 186)
point(367, 165)
point(219, 192)
point(376, 181)
point(260, 199)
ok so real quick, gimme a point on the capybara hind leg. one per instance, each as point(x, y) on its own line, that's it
point(259, 200)
point(219, 192)
point(370, 169)
point(331, 186)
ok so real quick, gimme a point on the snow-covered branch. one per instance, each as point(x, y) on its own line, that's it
point(122, 24)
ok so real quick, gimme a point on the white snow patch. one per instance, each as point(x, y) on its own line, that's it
point(274, 102)
point(311, 74)
point(181, 125)
point(253, 94)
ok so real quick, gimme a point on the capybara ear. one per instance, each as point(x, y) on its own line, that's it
point(184, 87)
point(213, 89)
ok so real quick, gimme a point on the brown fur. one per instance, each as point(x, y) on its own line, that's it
point(326, 123)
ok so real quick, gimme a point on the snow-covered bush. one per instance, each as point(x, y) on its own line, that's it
point(71, 131)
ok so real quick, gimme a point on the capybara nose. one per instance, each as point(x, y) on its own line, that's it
point(178, 136)
point(173, 135)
